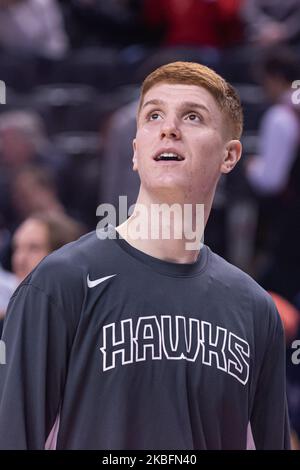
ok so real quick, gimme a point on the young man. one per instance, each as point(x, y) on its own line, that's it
point(144, 343)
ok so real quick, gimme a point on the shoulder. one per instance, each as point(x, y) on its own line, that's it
point(281, 116)
point(62, 274)
point(69, 260)
point(238, 288)
point(229, 274)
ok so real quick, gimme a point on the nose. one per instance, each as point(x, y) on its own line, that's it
point(170, 130)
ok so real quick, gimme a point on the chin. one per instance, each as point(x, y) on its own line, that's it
point(167, 190)
point(167, 181)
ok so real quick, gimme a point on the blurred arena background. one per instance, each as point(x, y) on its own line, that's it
point(72, 70)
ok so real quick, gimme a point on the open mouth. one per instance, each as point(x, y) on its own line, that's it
point(168, 156)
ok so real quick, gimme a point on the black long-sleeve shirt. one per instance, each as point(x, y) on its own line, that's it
point(125, 351)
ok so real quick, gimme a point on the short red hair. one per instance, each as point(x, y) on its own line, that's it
point(191, 73)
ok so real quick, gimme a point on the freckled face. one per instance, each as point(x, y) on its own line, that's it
point(185, 120)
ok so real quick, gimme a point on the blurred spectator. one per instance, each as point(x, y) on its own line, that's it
point(33, 189)
point(22, 136)
point(273, 22)
point(34, 27)
point(8, 283)
point(279, 131)
point(117, 175)
point(213, 23)
point(274, 174)
point(38, 236)
point(23, 141)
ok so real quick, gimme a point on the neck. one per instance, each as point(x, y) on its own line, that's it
point(167, 226)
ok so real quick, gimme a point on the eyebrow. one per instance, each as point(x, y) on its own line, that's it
point(186, 104)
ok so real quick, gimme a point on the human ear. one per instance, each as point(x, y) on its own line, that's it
point(233, 153)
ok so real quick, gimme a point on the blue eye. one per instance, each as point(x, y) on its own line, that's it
point(153, 116)
point(193, 117)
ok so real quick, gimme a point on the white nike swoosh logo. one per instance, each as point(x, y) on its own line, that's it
point(97, 281)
